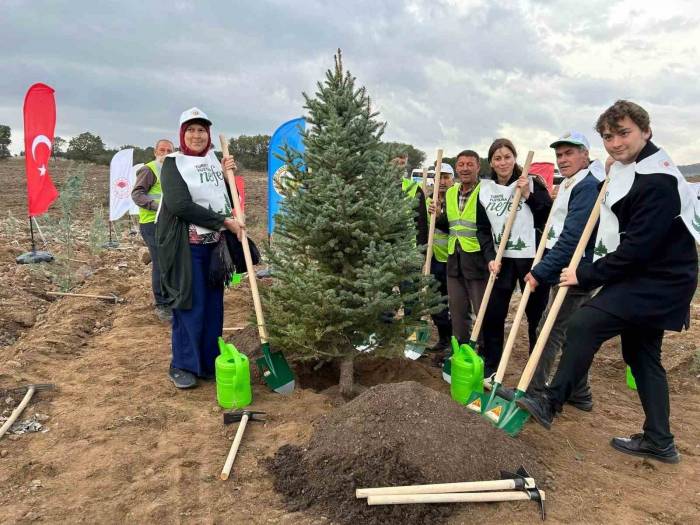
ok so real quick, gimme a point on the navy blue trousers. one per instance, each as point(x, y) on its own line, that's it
point(195, 331)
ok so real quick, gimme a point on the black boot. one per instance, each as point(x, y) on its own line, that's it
point(540, 408)
point(444, 334)
point(638, 445)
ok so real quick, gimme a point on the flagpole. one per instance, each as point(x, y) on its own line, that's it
point(31, 233)
point(41, 234)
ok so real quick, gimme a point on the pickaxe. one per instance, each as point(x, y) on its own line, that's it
point(518, 486)
point(231, 417)
point(28, 392)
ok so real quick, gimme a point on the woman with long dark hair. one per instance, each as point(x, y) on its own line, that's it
point(495, 199)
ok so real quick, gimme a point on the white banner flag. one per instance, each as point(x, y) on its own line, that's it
point(134, 210)
point(120, 184)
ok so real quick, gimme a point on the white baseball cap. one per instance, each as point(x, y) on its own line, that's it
point(193, 114)
point(572, 137)
point(446, 168)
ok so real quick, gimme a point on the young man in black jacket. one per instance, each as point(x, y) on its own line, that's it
point(648, 273)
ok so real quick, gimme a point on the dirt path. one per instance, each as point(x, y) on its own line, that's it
point(124, 446)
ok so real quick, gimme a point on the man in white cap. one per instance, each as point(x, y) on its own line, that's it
point(438, 264)
point(146, 195)
point(570, 212)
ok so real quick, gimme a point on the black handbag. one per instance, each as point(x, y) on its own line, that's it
point(235, 249)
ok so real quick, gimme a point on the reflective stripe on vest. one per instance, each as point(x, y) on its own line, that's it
point(145, 215)
point(462, 225)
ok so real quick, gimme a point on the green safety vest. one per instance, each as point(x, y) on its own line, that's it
point(145, 215)
point(462, 225)
point(409, 187)
point(440, 241)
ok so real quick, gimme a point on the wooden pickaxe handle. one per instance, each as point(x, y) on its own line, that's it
point(444, 488)
point(17, 411)
point(464, 497)
point(234, 448)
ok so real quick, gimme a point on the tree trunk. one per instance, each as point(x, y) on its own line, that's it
point(347, 372)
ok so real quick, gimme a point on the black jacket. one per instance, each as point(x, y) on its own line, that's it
point(177, 212)
point(651, 277)
point(581, 201)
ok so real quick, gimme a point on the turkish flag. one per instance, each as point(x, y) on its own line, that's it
point(39, 125)
point(240, 187)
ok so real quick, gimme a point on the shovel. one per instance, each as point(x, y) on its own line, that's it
point(273, 366)
point(476, 329)
point(494, 404)
point(513, 417)
point(418, 340)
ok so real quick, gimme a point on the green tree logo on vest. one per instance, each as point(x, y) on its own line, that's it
point(516, 246)
point(600, 249)
point(551, 234)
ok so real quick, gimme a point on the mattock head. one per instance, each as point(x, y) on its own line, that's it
point(237, 415)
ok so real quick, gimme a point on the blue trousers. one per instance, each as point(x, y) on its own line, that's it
point(195, 331)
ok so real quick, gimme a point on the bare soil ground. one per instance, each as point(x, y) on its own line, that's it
point(124, 446)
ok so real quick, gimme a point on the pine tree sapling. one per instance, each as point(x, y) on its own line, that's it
point(344, 239)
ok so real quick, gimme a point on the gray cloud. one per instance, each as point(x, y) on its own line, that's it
point(440, 74)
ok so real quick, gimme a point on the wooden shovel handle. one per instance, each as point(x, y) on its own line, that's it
point(499, 254)
point(444, 488)
point(510, 343)
point(226, 471)
point(464, 497)
point(425, 181)
point(262, 330)
point(433, 216)
point(561, 293)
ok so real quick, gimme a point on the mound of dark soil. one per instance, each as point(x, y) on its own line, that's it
point(393, 434)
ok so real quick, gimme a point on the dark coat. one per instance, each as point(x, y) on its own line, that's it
point(651, 277)
point(177, 212)
point(581, 202)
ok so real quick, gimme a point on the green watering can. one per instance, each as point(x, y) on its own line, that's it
point(467, 372)
point(233, 388)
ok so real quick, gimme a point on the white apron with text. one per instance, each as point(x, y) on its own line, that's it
point(497, 201)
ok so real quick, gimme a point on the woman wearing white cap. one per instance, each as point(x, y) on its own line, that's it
point(195, 208)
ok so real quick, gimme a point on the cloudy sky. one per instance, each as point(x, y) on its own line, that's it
point(443, 73)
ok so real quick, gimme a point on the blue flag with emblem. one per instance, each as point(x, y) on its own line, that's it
point(288, 134)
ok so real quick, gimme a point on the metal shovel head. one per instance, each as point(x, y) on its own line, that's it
point(447, 371)
point(417, 341)
point(495, 403)
point(275, 371)
point(513, 417)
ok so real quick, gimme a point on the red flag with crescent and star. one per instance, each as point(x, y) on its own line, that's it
point(39, 125)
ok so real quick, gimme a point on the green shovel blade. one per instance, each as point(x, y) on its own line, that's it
point(275, 371)
point(495, 406)
point(513, 418)
point(417, 341)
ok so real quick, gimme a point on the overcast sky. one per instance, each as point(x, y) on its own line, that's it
point(443, 73)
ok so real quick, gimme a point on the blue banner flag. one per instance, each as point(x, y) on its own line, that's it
point(288, 134)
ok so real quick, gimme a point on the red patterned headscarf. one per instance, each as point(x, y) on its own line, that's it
point(187, 151)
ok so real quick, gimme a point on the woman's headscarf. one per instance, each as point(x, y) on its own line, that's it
point(183, 147)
